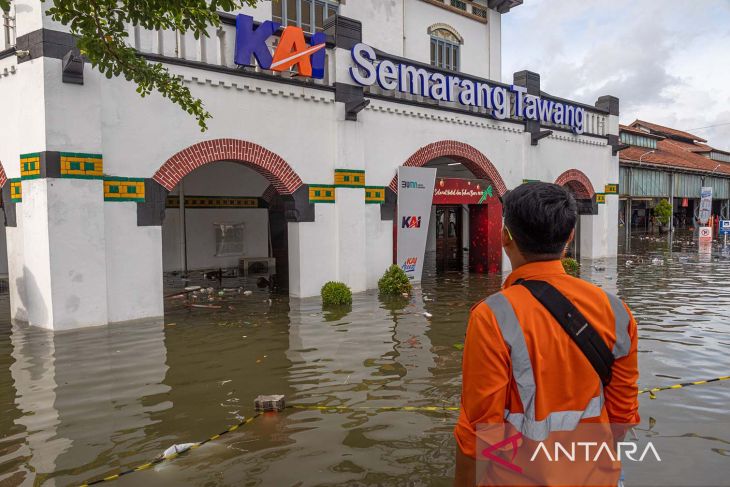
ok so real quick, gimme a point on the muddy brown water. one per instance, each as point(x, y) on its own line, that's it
point(82, 405)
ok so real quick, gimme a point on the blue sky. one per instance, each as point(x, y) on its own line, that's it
point(667, 60)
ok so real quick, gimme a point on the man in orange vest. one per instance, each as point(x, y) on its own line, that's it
point(526, 370)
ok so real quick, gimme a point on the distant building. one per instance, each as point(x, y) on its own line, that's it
point(659, 162)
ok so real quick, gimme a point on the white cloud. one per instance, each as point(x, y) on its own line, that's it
point(667, 61)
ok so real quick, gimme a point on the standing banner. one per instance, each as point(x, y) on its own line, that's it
point(415, 196)
point(705, 204)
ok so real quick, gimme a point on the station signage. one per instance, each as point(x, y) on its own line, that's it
point(724, 227)
point(705, 234)
point(415, 192)
point(457, 191)
point(292, 52)
point(501, 101)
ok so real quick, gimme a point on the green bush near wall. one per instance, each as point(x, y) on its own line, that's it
point(335, 294)
point(394, 282)
point(663, 212)
point(571, 266)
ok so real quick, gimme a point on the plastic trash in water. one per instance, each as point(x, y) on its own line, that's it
point(657, 261)
point(247, 293)
point(629, 262)
point(427, 314)
point(177, 449)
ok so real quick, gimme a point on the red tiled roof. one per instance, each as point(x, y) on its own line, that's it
point(676, 154)
point(668, 131)
point(632, 130)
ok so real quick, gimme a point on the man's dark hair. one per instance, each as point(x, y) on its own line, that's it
point(540, 217)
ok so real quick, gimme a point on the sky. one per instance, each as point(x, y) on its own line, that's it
point(668, 61)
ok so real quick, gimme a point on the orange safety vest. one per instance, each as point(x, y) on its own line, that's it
point(520, 367)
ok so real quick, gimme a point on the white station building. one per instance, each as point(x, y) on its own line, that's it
point(104, 191)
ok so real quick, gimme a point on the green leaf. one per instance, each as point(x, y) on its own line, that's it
point(100, 27)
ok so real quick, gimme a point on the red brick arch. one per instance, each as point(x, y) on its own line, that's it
point(469, 156)
point(257, 157)
point(577, 183)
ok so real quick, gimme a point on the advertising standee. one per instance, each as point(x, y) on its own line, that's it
point(415, 195)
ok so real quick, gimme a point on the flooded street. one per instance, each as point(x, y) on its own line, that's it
point(82, 405)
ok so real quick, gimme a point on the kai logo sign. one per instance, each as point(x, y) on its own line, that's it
point(411, 222)
point(410, 264)
point(292, 52)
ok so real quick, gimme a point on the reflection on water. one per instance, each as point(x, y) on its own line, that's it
point(79, 405)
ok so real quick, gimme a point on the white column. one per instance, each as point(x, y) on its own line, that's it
point(133, 264)
point(313, 252)
point(64, 271)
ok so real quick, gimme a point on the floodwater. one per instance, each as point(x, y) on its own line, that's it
point(79, 406)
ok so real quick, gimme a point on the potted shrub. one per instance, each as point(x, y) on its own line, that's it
point(336, 294)
point(663, 214)
point(394, 282)
point(571, 266)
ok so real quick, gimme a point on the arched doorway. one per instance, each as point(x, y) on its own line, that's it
point(466, 215)
point(226, 214)
point(582, 190)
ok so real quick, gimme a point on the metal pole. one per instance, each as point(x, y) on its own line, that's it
point(627, 219)
point(183, 231)
point(671, 203)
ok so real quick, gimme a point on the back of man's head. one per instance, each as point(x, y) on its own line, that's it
point(540, 218)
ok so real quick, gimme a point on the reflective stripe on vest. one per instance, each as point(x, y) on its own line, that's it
point(524, 377)
point(621, 316)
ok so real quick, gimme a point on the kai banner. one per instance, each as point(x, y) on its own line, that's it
point(415, 196)
point(293, 52)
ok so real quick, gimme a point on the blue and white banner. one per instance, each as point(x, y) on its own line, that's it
point(415, 194)
point(705, 204)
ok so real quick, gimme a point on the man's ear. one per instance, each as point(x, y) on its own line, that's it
point(572, 235)
point(506, 237)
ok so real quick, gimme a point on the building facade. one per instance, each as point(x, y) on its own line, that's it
point(104, 191)
point(664, 163)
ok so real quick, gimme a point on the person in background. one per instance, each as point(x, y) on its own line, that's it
point(520, 367)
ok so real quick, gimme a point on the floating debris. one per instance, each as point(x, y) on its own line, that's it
point(247, 293)
point(459, 346)
point(177, 449)
point(599, 268)
point(657, 261)
point(629, 262)
point(427, 314)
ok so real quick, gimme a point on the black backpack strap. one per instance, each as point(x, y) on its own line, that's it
point(575, 325)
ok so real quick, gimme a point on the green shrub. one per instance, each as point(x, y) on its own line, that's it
point(394, 282)
point(663, 212)
point(336, 293)
point(570, 265)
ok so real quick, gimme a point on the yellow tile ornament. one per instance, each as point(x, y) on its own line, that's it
point(123, 189)
point(81, 165)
